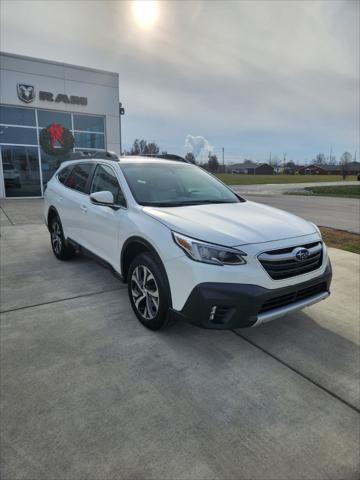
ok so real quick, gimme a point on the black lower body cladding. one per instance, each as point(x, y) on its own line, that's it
point(238, 305)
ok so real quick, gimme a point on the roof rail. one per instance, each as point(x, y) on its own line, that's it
point(166, 156)
point(101, 155)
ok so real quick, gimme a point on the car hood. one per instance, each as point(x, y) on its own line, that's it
point(232, 224)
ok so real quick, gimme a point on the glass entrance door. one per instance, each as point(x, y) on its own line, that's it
point(21, 172)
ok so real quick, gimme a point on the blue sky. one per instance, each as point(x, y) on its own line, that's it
point(251, 76)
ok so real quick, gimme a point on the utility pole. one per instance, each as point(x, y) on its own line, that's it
point(121, 112)
point(223, 158)
point(330, 155)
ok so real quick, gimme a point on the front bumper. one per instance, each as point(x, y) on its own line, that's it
point(244, 305)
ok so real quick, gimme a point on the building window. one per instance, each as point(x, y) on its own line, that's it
point(19, 132)
point(17, 116)
point(21, 171)
point(45, 118)
point(49, 164)
point(89, 140)
point(18, 135)
point(88, 123)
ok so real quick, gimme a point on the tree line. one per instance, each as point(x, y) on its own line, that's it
point(142, 147)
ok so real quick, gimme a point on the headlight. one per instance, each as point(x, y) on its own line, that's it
point(208, 252)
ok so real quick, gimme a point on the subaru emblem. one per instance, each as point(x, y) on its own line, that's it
point(301, 253)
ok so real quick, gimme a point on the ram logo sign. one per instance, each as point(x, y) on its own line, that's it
point(26, 93)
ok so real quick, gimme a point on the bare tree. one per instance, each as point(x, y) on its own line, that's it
point(190, 157)
point(289, 168)
point(344, 161)
point(275, 163)
point(152, 148)
point(141, 147)
point(213, 163)
point(320, 159)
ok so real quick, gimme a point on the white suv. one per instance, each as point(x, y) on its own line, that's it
point(186, 244)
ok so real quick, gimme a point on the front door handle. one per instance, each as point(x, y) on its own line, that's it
point(83, 208)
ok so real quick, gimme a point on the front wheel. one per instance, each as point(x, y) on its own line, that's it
point(148, 292)
point(61, 249)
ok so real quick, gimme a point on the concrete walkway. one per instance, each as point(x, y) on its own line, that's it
point(88, 393)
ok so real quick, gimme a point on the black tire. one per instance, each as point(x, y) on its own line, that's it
point(62, 250)
point(143, 297)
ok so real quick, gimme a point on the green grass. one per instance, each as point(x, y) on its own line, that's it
point(351, 191)
point(236, 179)
point(340, 239)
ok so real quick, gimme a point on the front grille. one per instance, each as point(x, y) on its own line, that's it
point(283, 263)
point(290, 298)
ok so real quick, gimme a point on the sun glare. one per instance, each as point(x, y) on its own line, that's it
point(145, 13)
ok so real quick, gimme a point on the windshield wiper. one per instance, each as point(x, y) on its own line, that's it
point(184, 204)
point(164, 204)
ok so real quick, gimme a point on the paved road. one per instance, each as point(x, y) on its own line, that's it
point(88, 393)
point(342, 213)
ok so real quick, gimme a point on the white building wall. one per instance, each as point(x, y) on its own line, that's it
point(101, 89)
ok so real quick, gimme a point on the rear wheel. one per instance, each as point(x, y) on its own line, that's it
point(148, 292)
point(61, 249)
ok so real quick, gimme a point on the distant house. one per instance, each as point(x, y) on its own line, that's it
point(352, 168)
point(312, 170)
point(252, 168)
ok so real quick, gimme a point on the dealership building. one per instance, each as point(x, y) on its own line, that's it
point(48, 110)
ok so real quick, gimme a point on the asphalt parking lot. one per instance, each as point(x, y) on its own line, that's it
point(88, 393)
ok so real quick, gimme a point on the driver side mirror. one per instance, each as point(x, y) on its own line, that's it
point(103, 198)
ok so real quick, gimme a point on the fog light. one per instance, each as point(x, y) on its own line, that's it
point(212, 313)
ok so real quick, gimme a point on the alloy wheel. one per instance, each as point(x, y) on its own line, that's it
point(56, 239)
point(145, 292)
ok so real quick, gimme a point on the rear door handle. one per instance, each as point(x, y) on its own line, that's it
point(83, 208)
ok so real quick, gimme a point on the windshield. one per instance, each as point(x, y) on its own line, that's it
point(174, 185)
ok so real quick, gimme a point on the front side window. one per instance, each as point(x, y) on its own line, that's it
point(175, 185)
point(79, 176)
point(105, 180)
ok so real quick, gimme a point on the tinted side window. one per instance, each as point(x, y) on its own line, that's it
point(62, 175)
point(105, 180)
point(79, 176)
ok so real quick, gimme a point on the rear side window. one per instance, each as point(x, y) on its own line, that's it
point(105, 180)
point(79, 176)
point(63, 174)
